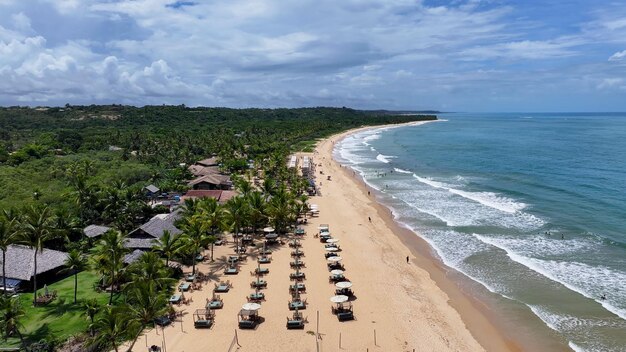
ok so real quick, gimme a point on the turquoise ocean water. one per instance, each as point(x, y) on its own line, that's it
point(531, 206)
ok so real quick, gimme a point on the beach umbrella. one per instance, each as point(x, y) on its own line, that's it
point(332, 240)
point(251, 306)
point(336, 272)
point(268, 230)
point(271, 236)
point(343, 284)
point(331, 249)
point(339, 299)
point(322, 227)
point(334, 259)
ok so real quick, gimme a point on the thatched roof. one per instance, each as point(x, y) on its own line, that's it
point(226, 195)
point(212, 161)
point(222, 196)
point(199, 170)
point(211, 179)
point(20, 262)
point(157, 225)
point(133, 257)
point(92, 231)
point(140, 243)
point(152, 188)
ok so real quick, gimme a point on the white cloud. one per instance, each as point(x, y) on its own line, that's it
point(277, 53)
point(21, 21)
point(618, 56)
point(525, 49)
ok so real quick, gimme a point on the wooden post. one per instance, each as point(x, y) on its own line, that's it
point(375, 344)
point(164, 343)
point(339, 340)
point(318, 324)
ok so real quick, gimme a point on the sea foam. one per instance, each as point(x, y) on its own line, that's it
point(385, 158)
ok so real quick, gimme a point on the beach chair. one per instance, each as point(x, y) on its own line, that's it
point(295, 324)
point(345, 316)
point(203, 318)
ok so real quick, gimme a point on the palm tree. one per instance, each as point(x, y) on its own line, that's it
point(195, 237)
point(9, 235)
point(11, 312)
point(169, 245)
point(75, 263)
point(257, 207)
point(109, 257)
point(244, 186)
point(236, 214)
point(112, 326)
point(213, 214)
point(36, 230)
point(92, 307)
point(280, 210)
point(150, 268)
point(147, 302)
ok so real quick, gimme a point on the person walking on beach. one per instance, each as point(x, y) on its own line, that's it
point(407, 259)
point(369, 218)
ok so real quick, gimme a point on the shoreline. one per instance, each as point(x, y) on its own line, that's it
point(397, 306)
point(478, 316)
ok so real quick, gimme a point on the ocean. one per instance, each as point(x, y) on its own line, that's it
point(532, 206)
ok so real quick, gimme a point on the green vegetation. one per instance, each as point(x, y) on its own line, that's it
point(61, 318)
point(65, 168)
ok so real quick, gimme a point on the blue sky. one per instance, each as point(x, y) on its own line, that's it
point(489, 55)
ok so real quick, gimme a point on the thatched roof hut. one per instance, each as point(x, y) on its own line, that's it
point(20, 262)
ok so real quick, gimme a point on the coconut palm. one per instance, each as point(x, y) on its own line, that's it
point(258, 210)
point(280, 210)
point(36, 229)
point(9, 235)
point(75, 263)
point(213, 214)
point(169, 245)
point(243, 186)
point(11, 312)
point(92, 308)
point(113, 325)
point(236, 214)
point(149, 268)
point(195, 237)
point(108, 257)
point(146, 302)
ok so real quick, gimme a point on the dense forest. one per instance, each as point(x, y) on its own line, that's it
point(132, 144)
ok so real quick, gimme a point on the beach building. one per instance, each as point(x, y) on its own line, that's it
point(222, 196)
point(293, 162)
point(152, 190)
point(145, 236)
point(307, 166)
point(211, 182)
point(20, 267)
point(94, 231)
point(212, 161)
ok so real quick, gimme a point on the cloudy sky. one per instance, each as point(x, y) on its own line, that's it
point(458, 55)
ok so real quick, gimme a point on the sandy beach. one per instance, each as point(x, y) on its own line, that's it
point(399, 306)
